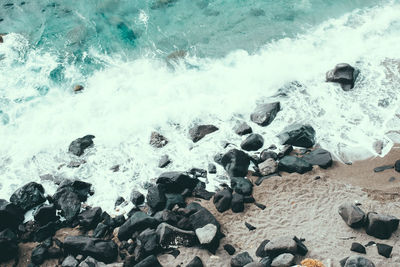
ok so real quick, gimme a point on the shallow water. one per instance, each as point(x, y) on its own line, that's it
point(239, 53)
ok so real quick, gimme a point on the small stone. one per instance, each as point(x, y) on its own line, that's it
point(253, 142)
point(383, 168)
point(370, 243)
point(78, 88)
point(249, 226)
point(357, 247)
point(344, 74)
point(275, 247)
point(242, 129)
point(230, 249)
point(298, 135)
point(283, 260)
point(157, 140)
point(78, 146)
point(264, 114)
point(222, 200)
point(380, 225)
point(242, 186)
point(212, 168)
point(196, 262)
point(237, 204)
point(259, 205)
point(70, 261)
point(241, 259)
point(397, 165)
point(164, 161)
point(384, 250)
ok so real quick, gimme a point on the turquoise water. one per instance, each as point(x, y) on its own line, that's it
point(167, 65)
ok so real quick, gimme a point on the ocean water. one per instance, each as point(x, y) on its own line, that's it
point(166, 65)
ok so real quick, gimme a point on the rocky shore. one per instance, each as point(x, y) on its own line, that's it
point(281, 207)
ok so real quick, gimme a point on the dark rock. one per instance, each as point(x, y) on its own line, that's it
point(156, 198)
point(241, 259)
point(196, 262)
point(236, 163)
point(172, 236)
point(342, 262)
point(286, 150)
point(344, 74)
point(283, 260)
point(253, 142)
point(242, 129)
point(357, 247)
point(298, 135)
point(218, 158)
point(352, 215)
point(301, 248)
point(147, 244)
point(150, 261)
point(212, 168)
point(201, 218)
point(384, 250)
point(249, 226)
point(397, 165)
point(370, 243)
point(157, 140)
point(242, 186)
point(279, 246)
point(45, 214)
point(201, 192)
point(176, 182)
point(222, 200)
point(167, 216)
point(8, 245)
point(383, 168)
point(237, 203)
point(248, 199)
point(294, 164)
point(199, 131)
point(138, 222)
point(267, 154)
point(174, 199)
point(230, 249)
point(28, 196)
point(90, 218)
point(39, 255)
point(264, 114)
point(266, 261)
point(164, 161)
point(115, 168)
point(380, 225)
point(45, 231)
point(392, 179)
point(358, 261)
point(259, 205)
point(136, 198)
point(10, 215)
point(69, 261)
point(197, 172)
point(54, 253)
point(320, 157)
point(100, 231)
point(78, 146)
point(260, 250)
point(102, 250)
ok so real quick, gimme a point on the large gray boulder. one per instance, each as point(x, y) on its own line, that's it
point(344, 74)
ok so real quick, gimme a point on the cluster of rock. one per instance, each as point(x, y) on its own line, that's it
point(377, 225)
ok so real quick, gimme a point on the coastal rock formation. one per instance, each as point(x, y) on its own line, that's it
point(78, 146)
point(298, 135)
point(264, 114)
point(222, 200)
point(199, 131)
point(236, 163)
point(380, 225)
point(243, 129)
point(10, 215)
point(253, 142)
point(344, 74)
point(28, 196)
point(294, 164)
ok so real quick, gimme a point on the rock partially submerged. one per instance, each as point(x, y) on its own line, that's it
point(28, 196)
point(236, 163)
point(294, 164)
point(344, 74)
point(199, 131)
point(157, 140)
point(380, 225)
point(298, 135)
point(264, 114)
point(253, 142)
point(243, 129)
point(78, 146)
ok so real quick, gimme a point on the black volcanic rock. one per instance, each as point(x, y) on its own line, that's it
point(294, 164)
point(241, 185)
point(8, 245)
point(241, 259)
point(358, 261)
point(320, 157)
point(147, 244)
point(156, 198)
point(344, 74)
point(78, 146)
point(384, 250)
point(150, 261)
point(164, 161)
point(298, 135)
point(137, 222)
point(136, 198)
point(264, 114)
point(397, 165)
point(380, 225)
point(176, 182)
point(196, 262)
point(237, 204)
point(236, 163)
point(45, 214)
point(253, 142)
point(28, 196)
point(357, 247)
point(242, 129)
point(173, 236)
point(230, 249)
point(90, 218)
point(199, 131)
point(10, 215)
point(222, 200)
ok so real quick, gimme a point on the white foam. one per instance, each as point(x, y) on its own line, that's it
point(123, 103)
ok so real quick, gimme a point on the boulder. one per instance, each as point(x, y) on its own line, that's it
point(358, 261)
point(277, 246)
point(102, 250)
point(156, 198)
point(196, 262)
point(242, 129)
point(174, 199)
point(39, 254)
point(260, 250)
point(89, 218)
point(8, 245)
point(264, 114)
point(253, 142)
point(201, 218)
point(101, 230)
point(206, 234)
point(199, 131)
point(344, 74)
point(268, 166)
point(320, 157)
point(357, 247)
point(171, 236)
point(268, 154)
point(201, 192)
point(294, 164)
point(10, 215)
point(164, 161)
point(301, 248)
point(237, 204)
point(241, 185)
point(352, 215)
point(380, 225)
point(236, 163)
point(28, 196)
point(212, 169)
point(69, 261)
point(45, 214)
point(157, 140)
point(147, 244)
point(150, 261)
point(283, 260)
point(78, 146)
point(222, 200)
point(384, 250)
point(45, 231)
point(241, 259)
point(298, 135)
point(137, 222)
point(176, 182)
point(136, 198)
